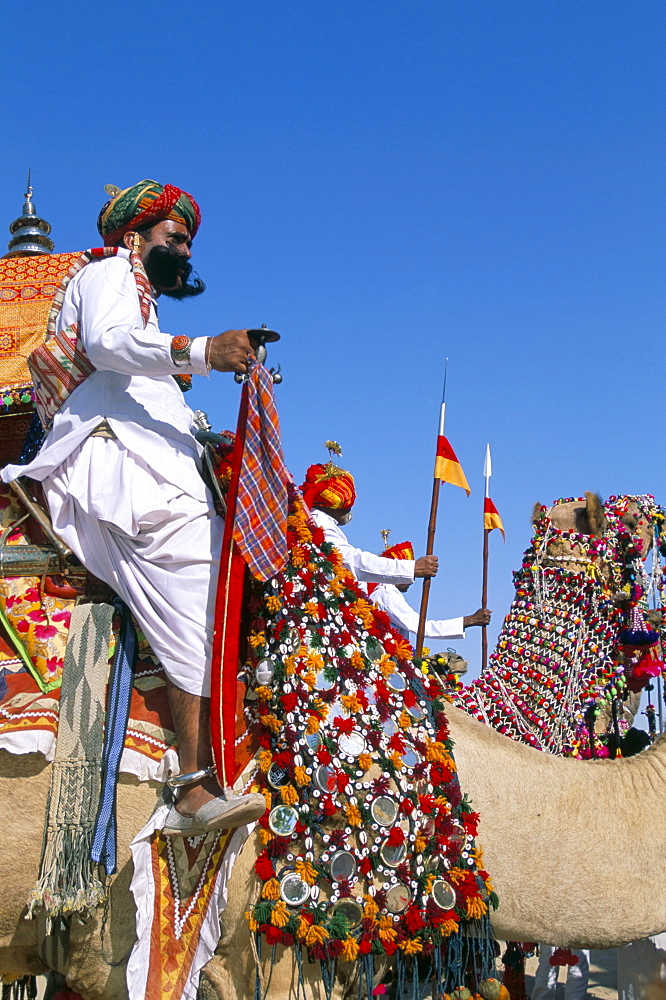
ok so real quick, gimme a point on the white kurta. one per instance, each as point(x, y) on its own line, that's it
point(366, 566)
point(406, 620)
point(134, 509)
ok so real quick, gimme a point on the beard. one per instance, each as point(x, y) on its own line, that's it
point(346, 518)
point(164, 266)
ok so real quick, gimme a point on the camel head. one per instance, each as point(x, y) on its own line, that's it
point(586, 535)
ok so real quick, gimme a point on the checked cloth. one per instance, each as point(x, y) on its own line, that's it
point(260, 528)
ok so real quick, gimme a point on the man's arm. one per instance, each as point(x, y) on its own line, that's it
point(401, 614)
point(114, 337)
point(365, 566)
point(480, 617)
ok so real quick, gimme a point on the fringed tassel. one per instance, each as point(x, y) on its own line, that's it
point(300, 982)
point(257, 976)
point(485, 951)
point(20, 989)
point(68, 882)
point(414, 969)
point(400, 977)
point(328, 976)
point(453, 968)
point(367, 976)
point(437, 979)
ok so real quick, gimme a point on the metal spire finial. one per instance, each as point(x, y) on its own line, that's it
point(30, 234)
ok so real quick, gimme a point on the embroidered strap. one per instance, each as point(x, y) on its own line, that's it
point(87, 257)
point(60, 364)
point(119, 694)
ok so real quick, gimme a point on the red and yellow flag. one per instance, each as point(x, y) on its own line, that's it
point(447, 466)
point(491, 518)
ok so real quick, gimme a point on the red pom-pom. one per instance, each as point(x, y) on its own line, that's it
point(263, 866)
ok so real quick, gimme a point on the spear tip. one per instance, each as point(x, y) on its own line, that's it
point(488, 464)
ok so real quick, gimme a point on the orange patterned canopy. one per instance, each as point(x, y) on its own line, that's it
point(27, 287)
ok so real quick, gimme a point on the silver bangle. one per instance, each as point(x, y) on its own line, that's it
point(178, 780)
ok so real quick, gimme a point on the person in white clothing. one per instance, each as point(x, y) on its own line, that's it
point(121, 468)
point(390, 599)
point(545, 980)
point(330, 494)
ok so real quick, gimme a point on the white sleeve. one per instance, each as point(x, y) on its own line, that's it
point(365, 565)
point(390, 600)
point(112, 330)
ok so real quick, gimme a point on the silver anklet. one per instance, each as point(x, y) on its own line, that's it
point(178, 780)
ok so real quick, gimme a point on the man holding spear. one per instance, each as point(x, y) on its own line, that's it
point(389, 598)
point(330, 494)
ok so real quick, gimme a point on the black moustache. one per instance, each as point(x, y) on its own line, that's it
point(165, 265)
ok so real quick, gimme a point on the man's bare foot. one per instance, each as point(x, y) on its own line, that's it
point(192, 797)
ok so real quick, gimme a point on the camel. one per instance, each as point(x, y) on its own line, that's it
point(550, 830)
point(569, 851)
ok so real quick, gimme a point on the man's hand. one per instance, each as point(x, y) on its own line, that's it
point(426, 566)
point(480, 617)
point(229, 351)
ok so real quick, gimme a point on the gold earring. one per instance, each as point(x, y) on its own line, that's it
point(135, 243)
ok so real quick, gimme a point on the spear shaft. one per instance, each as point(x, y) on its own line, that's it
point(484, 600)
point(487, 473)
point(432, 526)
point(425, 595)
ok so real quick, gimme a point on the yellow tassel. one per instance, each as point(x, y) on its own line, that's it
point(289, 795)
point(349, 951)
point(280, 916)
point(271, 889)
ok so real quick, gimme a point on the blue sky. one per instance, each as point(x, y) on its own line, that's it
point(388, 184)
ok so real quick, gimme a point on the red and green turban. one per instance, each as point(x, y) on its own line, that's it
point(403, 550)
point(144, 204)
point(329, 487)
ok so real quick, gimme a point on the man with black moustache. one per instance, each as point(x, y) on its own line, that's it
point(121, 467)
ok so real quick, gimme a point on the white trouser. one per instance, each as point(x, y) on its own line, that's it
point(155, 545)
point(639, 963)
point(545, 981)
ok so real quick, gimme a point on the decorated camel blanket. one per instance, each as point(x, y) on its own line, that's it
point(368, 843)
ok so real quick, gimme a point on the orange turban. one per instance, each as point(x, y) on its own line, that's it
point(403, 550)
point(329, 487)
